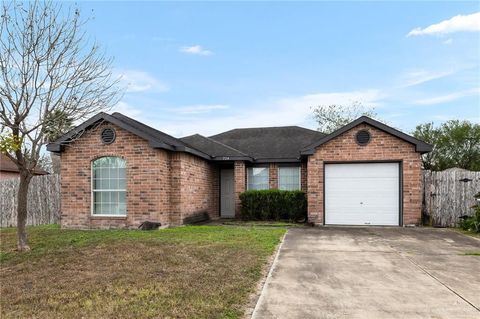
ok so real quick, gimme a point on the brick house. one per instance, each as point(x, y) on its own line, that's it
point(118, 172)
point(9, 170)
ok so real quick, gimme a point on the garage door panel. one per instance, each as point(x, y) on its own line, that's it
point(362, 194)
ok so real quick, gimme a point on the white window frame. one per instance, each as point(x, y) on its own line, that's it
point(92, 191)
point(299, 175)
point(268, 176)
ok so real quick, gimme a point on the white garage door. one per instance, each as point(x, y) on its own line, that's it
point(362, 194)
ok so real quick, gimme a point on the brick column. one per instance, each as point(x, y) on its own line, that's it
point(240, 181)
point(315, 190)
point(273, 176)
point(303, 176)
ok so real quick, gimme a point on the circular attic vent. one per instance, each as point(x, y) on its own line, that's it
point(363, 137)
point(108, 135)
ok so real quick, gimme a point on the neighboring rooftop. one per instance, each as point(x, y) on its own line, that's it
point(269, 142)
point(6, 165)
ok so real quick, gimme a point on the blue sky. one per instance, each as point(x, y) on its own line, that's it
point(204, 68)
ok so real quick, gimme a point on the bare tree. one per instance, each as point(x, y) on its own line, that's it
point(332, 117)
point(47, 65)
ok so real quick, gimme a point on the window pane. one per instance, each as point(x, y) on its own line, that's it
point(121, 184)
point(289, 178)
point(109, 184)
point(257, 178)
point(122, 197)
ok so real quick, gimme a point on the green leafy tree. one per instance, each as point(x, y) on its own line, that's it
point(455, 144)
point(334, 116)
point(57, 123)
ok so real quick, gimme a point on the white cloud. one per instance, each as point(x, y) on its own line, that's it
point(295, 110)
point(459, 23)
point(448, 41)
point(195, 50)
point(415, 77)
point(367, 97)
point(141, 81)
point(447, 97)
point(126, 109)
point(201, 108)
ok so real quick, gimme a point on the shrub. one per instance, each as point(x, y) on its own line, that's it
point(273, 204)
point(472, 223)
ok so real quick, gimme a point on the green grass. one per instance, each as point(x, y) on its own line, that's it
point(184, 272)
point(234, 222)
point(472, 253)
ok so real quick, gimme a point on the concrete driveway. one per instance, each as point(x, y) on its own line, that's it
point(339, 272)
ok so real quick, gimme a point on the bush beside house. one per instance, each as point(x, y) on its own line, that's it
point(274, 204)
point(472, 223)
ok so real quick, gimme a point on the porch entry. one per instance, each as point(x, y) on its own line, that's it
point(227, 193)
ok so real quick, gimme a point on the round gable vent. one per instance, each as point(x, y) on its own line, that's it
point(108, 135)
point(363, 137)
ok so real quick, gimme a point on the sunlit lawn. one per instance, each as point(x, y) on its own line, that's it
point(184, 272)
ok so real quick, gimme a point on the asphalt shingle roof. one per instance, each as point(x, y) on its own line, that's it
point(211, 147)
point(264, 143)
point(269, 142)
point(150, 131)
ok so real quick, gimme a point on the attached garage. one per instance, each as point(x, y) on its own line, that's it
point(362, 194)
point(365, 173)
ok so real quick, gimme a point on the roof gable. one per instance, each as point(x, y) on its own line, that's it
point(155, 138)
point(420, 146)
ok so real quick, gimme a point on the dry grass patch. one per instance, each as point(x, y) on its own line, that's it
point(186, 272)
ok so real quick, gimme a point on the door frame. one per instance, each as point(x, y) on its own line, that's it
point(400, 183)
point(220, 191)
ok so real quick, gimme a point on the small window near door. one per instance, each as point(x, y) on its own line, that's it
point(289, 178)
point(109, 187)
point(257, 178)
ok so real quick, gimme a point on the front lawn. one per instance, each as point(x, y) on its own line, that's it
point(184, 272)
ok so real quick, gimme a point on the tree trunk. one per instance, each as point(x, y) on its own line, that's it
point(25, 178)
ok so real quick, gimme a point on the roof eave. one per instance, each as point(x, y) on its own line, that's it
point(278, 160)
point(231, 158)
point(423, 148)
point(55, 148)
point(192, 151)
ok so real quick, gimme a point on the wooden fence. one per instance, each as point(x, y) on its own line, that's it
point(43, 201)
point(449, 194)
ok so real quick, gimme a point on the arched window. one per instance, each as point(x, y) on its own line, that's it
point(109, 186)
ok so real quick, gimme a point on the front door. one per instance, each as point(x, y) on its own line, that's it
point(227, 194)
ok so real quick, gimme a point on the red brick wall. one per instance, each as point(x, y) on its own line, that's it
point(197, 181)
point(273, 175)
point(303, 176)
point(382, 146)
point(239, 173)
point(154, 187)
